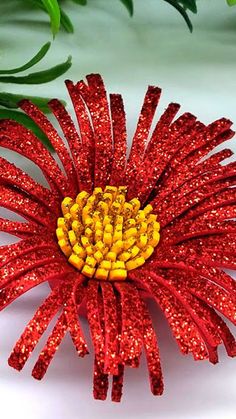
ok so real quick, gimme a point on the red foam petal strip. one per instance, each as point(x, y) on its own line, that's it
point(204, 140)
point(111, 338)
point(223, 213)
point(131, 336)
point(13, 251)
point(50, 348)
point(197, 266)
point(117, 380)
point(189, 171)
point(31, 279)
point(140, 138)
point(193, 199)
point(94, 320)
point(41, 120)
point(26, 206)
point(12, 270)
point(73, 295)
point(79, 152)
point(96, 100)
point(18, 229)
point(119, 140)
point(34, 330)
point(185, 331)
point(86, 131)
point(216, 297)
point(15, 137)
point(100, 381)
point(213, 179)
point(162, 127)
point(117, 384)
point(152, 353)
point(15, 177)
point(157, 160)
point(154, 281)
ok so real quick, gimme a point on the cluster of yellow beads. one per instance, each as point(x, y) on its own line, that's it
point(104, 236)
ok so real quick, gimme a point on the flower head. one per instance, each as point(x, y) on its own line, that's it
point(111, 230)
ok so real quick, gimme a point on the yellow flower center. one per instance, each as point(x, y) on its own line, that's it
point(103, 236)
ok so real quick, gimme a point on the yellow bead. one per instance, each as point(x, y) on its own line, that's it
point(66, 204)
point(117, 236)
point(72, 237)
point(85, 241)
point(61, 223)
point(88, 222)
point(105, 264)
point(147, 251)
point(79, 251)
point(134, 251)
point(98, 235)
point(98, 225)
point(117, 247)
point(108, 228)
point(103, 207)
point(142, 227)
point(88, 271)
point(97, 191)
point(111, 189)
point(119, 219)
point(82, 198)
point(119, 264)
point(135, 204)
point(130, 223)
point(111, 256)
point(140, 217)
point(151, 218)
point(90, 261)
point(127, 210)
point(131, 232)
point(74, 211)
point(154, 238)
point(107, 220)
point(61, 234)
point(88, 232)
point(142, 240)
point(129, 243)
point(148, 209)
point(98, 256)
point(107, 238)
point(124, 256)
point(101, 274)
point(76, 261)
point(65, 247)
point(77, 226)
point(116, 208)
point(90, 250)
point(118, 275)
point(108, 198)
point(135, 263)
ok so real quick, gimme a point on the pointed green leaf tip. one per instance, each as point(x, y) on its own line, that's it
point(39, 77)
point(190, 5)
point(231, 2)
point(53, 10)
point(38, 57)
point(129, 6)
point(182, 11)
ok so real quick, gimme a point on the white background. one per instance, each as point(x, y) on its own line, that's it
point(196, 70)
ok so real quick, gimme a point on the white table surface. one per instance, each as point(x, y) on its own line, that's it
point(196, 70)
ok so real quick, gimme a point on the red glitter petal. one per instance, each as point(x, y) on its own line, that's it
point(22, 230)
point(17, 138)
point(152, 353)
point(50, 348)
point(131, 336)
point(119, 140)
point(78, 151)
point(34, 330)
point(42, 121)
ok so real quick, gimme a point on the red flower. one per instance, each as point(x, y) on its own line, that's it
point(99, 250)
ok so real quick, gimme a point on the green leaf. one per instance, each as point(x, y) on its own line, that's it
point(27, 122)
point(189, 4)
point(182, 12)
point(10, 100)
point(38, 57)
point(40, 76)
point(66, 22)
point(231, 2)
point(129, 6)
point(81, 2)
point(53, 10)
